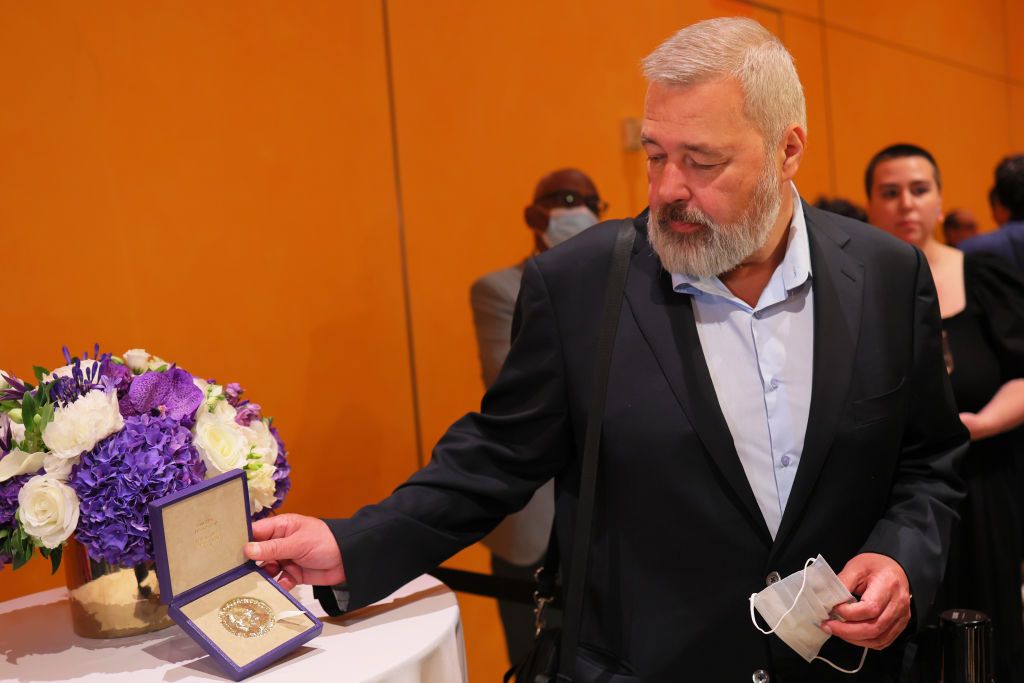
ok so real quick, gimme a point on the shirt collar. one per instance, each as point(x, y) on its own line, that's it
point(795, 268)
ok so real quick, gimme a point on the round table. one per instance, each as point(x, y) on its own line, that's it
point(412, 636)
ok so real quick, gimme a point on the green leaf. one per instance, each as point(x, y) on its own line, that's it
point(162, 368)
point(55, 556)
point(4, 533)
point(28, 409)
point(40, 372)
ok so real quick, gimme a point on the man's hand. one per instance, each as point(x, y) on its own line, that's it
point(301, 549)
point(884, 608)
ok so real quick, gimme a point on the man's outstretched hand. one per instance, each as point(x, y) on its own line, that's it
point(301, 549)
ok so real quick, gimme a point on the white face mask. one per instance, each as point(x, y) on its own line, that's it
point(795, 607)
point(564, 223)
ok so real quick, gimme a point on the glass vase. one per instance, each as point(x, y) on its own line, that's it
point(108, 601)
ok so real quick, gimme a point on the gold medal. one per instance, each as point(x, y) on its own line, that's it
point(247, 617)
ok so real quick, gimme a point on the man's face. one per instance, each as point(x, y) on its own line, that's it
point(714, 194)
point(905, 199)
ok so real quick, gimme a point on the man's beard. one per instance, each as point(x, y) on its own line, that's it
point(715, 248)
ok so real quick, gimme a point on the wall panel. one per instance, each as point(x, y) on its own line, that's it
point(888, 107)
point(945, 30)
point(214, 182)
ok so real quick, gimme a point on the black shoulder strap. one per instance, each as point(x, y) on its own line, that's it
point(573, 612)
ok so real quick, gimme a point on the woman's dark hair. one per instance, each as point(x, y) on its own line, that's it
point(898, 152)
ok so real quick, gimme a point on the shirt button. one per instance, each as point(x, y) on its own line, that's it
point(774, 384)
point(785, 461)
point(761, 676)
point(772, 578)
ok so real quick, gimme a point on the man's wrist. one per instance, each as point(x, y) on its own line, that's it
point(334, 599)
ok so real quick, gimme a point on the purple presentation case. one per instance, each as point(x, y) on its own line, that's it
point(178, 601)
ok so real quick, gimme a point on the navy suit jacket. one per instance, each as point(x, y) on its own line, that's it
point(679, 542)
point(1007, 243)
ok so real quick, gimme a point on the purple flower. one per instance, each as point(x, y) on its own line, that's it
point(247, 413)
point(118, 479)
point(282, 476)
point(234, 393)
point(170, 393)
point(115, 376)
point(9, 495)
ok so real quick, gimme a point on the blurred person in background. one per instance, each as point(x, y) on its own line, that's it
point(1007, 202)
point(981, 302)
point(843, 207)
point(959, 225)
point(565, 203)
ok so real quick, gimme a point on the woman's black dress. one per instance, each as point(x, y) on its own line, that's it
point(985, 344)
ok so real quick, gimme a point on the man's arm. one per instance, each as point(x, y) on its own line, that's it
point(486, 466)
point(906, 552)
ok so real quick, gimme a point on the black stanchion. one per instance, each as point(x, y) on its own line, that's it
point(966, 639)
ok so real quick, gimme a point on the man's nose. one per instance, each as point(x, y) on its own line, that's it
point(672, 184)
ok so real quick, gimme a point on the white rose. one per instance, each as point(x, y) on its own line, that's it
point(212, 393)
point(66, 370)
point(78, 427)
point(137, 360)
point(48, 510)
point(221, 444)
point(261, 441)
point(261, 488)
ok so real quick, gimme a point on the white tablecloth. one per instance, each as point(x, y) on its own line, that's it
point(413, 636)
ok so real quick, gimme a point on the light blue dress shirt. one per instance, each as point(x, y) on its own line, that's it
point(761, 362)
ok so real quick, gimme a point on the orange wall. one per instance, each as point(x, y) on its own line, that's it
point(233, 163)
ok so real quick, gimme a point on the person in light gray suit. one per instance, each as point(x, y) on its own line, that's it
point(564, 204)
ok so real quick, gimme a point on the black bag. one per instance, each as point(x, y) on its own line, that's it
point(553, 655)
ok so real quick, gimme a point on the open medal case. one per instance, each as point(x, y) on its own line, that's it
point(228, 605)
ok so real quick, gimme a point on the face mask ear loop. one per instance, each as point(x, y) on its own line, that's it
point(785, 614)
point(847, 671)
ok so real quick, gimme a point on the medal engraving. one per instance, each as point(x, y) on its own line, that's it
point(247, 617)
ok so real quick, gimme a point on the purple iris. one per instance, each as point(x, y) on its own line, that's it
point(169, 393)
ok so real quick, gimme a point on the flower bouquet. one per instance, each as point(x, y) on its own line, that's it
point(86, 450)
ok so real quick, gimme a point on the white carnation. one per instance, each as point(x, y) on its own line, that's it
point(261, 488)
point(78, 427)
point(261, 441)
point(48, 510)
point(220, 442)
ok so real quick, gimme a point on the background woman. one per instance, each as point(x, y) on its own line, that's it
point(981, 301)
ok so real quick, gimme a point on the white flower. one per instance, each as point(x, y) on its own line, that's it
point(66, 370)
point(3, 382)
point(213, 394)
point(79, 426)
point(261, 488)
point(156, 362)
point(17, 431)
point(18, 462)
point(48, 510)
point(220, 442)
point(261, 441)
point(137, 360)
point(58, 467)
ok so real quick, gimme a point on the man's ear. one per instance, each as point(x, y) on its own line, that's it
point(794, 141)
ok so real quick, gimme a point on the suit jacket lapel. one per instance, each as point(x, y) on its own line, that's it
point(837, 281)
point(666, 321)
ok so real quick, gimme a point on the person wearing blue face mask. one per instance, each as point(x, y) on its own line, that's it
point(565, 203)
